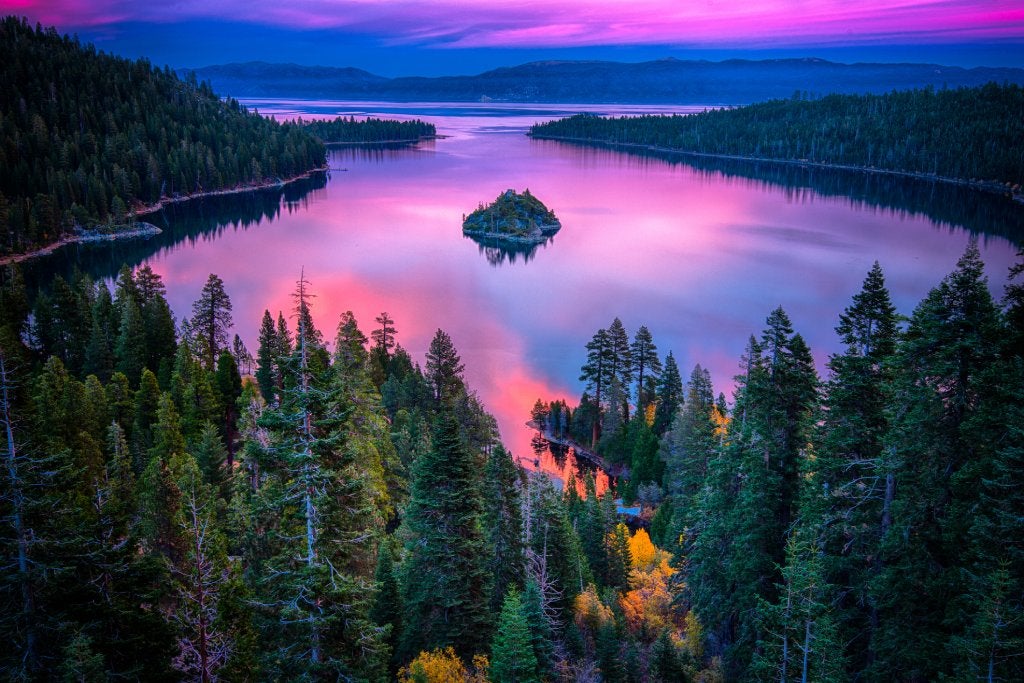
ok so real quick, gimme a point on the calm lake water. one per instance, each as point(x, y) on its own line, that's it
point(698, 253)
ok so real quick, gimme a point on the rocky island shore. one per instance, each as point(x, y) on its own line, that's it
point(512, 217)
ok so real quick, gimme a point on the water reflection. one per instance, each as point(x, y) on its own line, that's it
point(499, 252)
point(563, 463)
point(698, 254)
point(947, 204)
point(185, 223)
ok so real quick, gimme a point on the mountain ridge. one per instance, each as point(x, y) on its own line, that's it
point(662, 81)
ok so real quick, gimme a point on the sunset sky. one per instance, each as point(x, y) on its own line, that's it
point(420, 37)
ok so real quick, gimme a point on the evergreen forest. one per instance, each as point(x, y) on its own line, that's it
point(342, 130)
point(970, 134)
point(176, 507)
point(89, 138)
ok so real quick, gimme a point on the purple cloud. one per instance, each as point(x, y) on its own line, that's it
point(569, 23)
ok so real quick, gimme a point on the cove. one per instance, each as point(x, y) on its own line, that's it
point(699, 252)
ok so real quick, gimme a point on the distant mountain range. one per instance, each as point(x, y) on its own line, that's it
point(665, 81)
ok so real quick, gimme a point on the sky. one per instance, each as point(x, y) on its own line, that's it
point(445, 37)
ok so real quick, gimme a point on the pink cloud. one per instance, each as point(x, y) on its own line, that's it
point(559, 23)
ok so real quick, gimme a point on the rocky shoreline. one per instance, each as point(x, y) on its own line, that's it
point(100, 235)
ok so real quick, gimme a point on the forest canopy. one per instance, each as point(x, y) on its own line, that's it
point(342, 130)
point(87, 137)
point(966, 133)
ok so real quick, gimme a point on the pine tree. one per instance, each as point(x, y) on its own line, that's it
point(800, 637)
point(502, 523)
point(130, 349)
point(204, 644)
point(851, 469)
point(596, 372)
point(228, 386)
point(666, 663)
point(670, 395)
point(620, 561)
point(444, 368)
point(621, 363)
point(540, 629)
point(19, 586)
point(212, 459)
point(211, 320)
point(313, 574)
point(445, 582)
point(99, 354)
point(647, 364)
point(160, 336)
point(512, 657)
point(689, 445)
point(940, 444)
point(386, 610)
point(266, 358)
point(384, 337)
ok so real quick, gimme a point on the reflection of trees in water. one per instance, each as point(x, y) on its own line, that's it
point(949, 205)
point(498, 252)
point(205, 218)
point(560, 460)
point(538, 444)
point(559, 452)
point(379, 152)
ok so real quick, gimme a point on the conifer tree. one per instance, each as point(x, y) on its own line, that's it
point(621, 363)
point(228, 387)
point(99, 354)
point(444, 368)
point(160, 335)
point(266, 358)
point(512, 657)
point(799, 634)
point(446, 587)
point(211, 320)
point(620, 561)
point(689, 445)
point(502, 523)
point(852, 474)
point(939, 443)
point(386, 610)
point(539, 627)
point(130, 349)
point(596, 372)
point(670, 395)
point(644, 354)
point(314, 574)
point(205, 641)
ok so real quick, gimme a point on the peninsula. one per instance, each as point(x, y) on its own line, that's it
point(512, 217)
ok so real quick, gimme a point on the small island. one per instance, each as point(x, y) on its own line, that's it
point(512, 217)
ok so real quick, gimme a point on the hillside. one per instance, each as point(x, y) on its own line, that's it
point(87, 137)
point(969, 134)
point(665, 81)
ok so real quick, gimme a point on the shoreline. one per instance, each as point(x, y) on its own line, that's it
point(147, 209)
point(579, 451)
point(382, 143)
point(987, 186)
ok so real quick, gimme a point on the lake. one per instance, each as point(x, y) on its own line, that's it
point(699, 252)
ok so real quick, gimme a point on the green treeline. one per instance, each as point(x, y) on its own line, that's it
point(87, 137)
point(861, 527)
point(369, 130)
point(966, 133)
point(175, 507)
